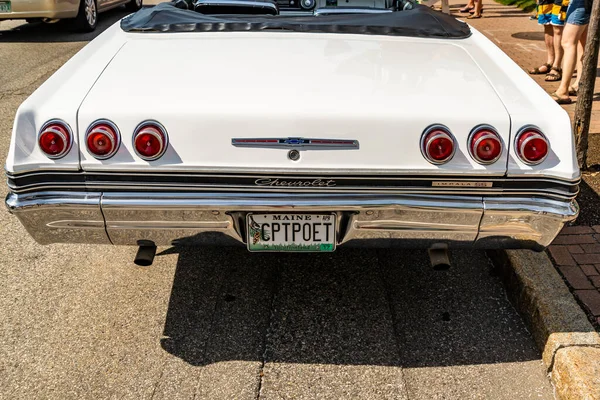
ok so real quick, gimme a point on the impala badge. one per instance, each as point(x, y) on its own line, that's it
point(462, 184)
point(296, 142)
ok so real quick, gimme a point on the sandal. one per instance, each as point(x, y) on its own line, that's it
point(538, 71)
point(472, 11)
point(572, 91)
point(474, 16)
point(561, 100)
point(465, 9)
point(550, 77)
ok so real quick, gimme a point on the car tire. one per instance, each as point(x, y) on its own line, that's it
point(87, 16)
point(134, 5)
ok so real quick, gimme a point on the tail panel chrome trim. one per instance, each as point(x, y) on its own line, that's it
point(281, 183)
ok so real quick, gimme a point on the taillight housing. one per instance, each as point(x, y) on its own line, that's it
point(437, 144)
point(150, 140)
point(55, 138)
point(102, 139)
point(531, 145)
point(485, 145)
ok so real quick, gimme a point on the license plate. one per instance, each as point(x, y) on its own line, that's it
point(5, 7)
point(291, 232)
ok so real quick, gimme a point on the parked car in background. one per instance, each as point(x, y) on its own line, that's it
point(82, 14)
point(393, 127)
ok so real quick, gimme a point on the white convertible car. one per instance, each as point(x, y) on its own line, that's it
point(228, 121)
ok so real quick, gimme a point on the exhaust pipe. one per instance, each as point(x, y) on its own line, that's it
point(145, 255)
point(438, 256)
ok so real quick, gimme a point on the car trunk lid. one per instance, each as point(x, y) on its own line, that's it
point(210, 88)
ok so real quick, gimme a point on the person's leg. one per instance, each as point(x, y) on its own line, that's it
point(580, 50)
point(555, 73)
point(477, 9)
point(549, 41)
point(571, 35)
point(470, 5)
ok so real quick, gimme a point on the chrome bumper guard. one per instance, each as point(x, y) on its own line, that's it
point(362, 220)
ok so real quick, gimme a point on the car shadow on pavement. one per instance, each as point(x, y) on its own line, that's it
point(39, 32)
point(351, 307)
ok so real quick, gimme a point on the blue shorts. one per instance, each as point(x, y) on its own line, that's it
point(577, 14)
point(552, 12)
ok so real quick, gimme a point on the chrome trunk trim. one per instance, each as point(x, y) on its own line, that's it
point(296, 142)
point(367, 173)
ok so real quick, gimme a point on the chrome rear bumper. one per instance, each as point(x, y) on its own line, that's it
point(362, 220)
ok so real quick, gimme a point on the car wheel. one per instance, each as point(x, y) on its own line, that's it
point(87, 17)
point(134, 5)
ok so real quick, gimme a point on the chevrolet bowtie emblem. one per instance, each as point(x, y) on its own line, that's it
point(296, 142)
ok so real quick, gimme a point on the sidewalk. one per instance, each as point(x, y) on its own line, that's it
point(576, 251)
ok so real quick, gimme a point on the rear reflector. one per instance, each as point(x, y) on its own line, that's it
point(103, 139)
point(150, 140)
point(485, 145)
point(437, 144)
point(532, 146)
point(55, 139)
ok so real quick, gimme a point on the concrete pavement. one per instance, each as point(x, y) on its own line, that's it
point(83, 322)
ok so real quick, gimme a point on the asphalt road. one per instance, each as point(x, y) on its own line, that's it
point(81, 322)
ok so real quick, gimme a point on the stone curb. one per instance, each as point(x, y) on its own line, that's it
point(569, 344)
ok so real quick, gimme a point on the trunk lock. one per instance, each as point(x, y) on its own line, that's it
point(294, 155)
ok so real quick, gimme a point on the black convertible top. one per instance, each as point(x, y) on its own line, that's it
point(419, 22)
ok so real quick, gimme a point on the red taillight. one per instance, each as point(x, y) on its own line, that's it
point(485, 145)
point(103, 139)
point(437, 145)
point(532, 146)
point(55, 139)
point(150, 140)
